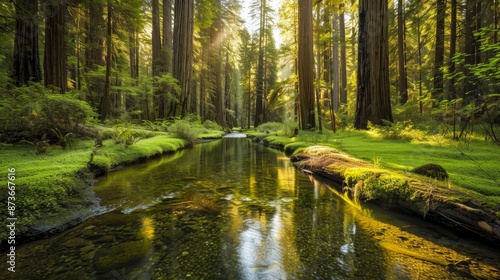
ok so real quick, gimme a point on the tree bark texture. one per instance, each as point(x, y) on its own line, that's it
point(305, 65)
point(26, 61)
point(155, 37)
point(54, 61)
point(343, 59)
point(471, 48)
point(183, 49)
point(105, 106)
point(437, 93)
point(94, 50)
point(373, 95)
point(453, 48)
point(259, 107)
point(402, 79)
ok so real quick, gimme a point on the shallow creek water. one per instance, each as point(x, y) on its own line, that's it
point(232, 209)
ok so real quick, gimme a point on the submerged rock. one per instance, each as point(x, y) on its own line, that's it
point(121, 255)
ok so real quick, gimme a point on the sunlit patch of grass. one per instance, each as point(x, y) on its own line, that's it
point(471, 166)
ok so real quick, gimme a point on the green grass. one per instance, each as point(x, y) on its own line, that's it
point(471, 166)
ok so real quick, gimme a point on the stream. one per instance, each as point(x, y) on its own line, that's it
point(233, 209)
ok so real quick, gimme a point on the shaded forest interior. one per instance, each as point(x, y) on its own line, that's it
point(314, 64)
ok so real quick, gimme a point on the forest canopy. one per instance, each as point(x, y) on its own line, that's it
point(315, 65)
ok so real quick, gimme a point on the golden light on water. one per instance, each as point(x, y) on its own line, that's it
point(148, 230)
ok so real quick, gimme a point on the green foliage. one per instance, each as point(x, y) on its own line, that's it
point(125, 136)
point(399, 130)
point(158, 125)
point(185, 130)
point(99, 164)
point(30, 112)
point(211, 125)
point(41, 146)
point(270, 127)
point(292, 148)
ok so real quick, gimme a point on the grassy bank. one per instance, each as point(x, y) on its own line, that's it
point(471, 166)
point(54, 189)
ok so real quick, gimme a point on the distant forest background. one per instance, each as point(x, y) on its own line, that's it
point(334, 64)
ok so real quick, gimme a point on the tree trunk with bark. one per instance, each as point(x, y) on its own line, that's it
point(343, 59)
point(94, 48)
point(26, 61)
point(402, 79)
point(183, 49)
point(373, 95)
point(437, 93)
point(54, 61)
point(305, 66)
point(105, 106)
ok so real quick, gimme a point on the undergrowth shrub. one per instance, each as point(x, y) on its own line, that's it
point(30, 112)
point(271, 127)
point(126, 136)
point(185, 130)
point(399, 130)
point(211, 125)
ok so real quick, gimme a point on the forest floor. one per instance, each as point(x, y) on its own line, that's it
point(471, 193)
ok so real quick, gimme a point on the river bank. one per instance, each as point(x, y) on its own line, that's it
point(465, 212)
point(54, 190)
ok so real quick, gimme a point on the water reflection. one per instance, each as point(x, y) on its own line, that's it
point(231, 209)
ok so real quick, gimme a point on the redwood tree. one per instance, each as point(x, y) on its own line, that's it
point(439, 53)
point(373, 96)
point(26, 62)
point(54, 61)
point(305, 65)
point(183, 49)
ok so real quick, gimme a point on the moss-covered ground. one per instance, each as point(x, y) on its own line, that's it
point(473, 165)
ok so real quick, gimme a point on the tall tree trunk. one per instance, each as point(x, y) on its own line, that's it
point(453, 48)
point(54, 60)
point(227, 88)
point(319, 32)
point(305, 65)
point(437, 93)
point(105, 106)
point(183, 49)
point(167, 34)
point(133, 44)
point(155, 37)
point(166, 50)
point(95, 36)
point(259, 110)
point(471, 48)
point(335, 66)
point(373, 95)
point(343, 59)
point(403, 82)
point(26, 62)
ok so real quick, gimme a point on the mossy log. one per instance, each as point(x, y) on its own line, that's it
point(427, 197)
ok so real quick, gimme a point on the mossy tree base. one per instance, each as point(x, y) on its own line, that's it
point(432, 199)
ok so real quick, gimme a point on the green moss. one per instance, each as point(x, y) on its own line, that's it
point(99, 164)
point(431, 170)
point(292, 148)
point(379, 184)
